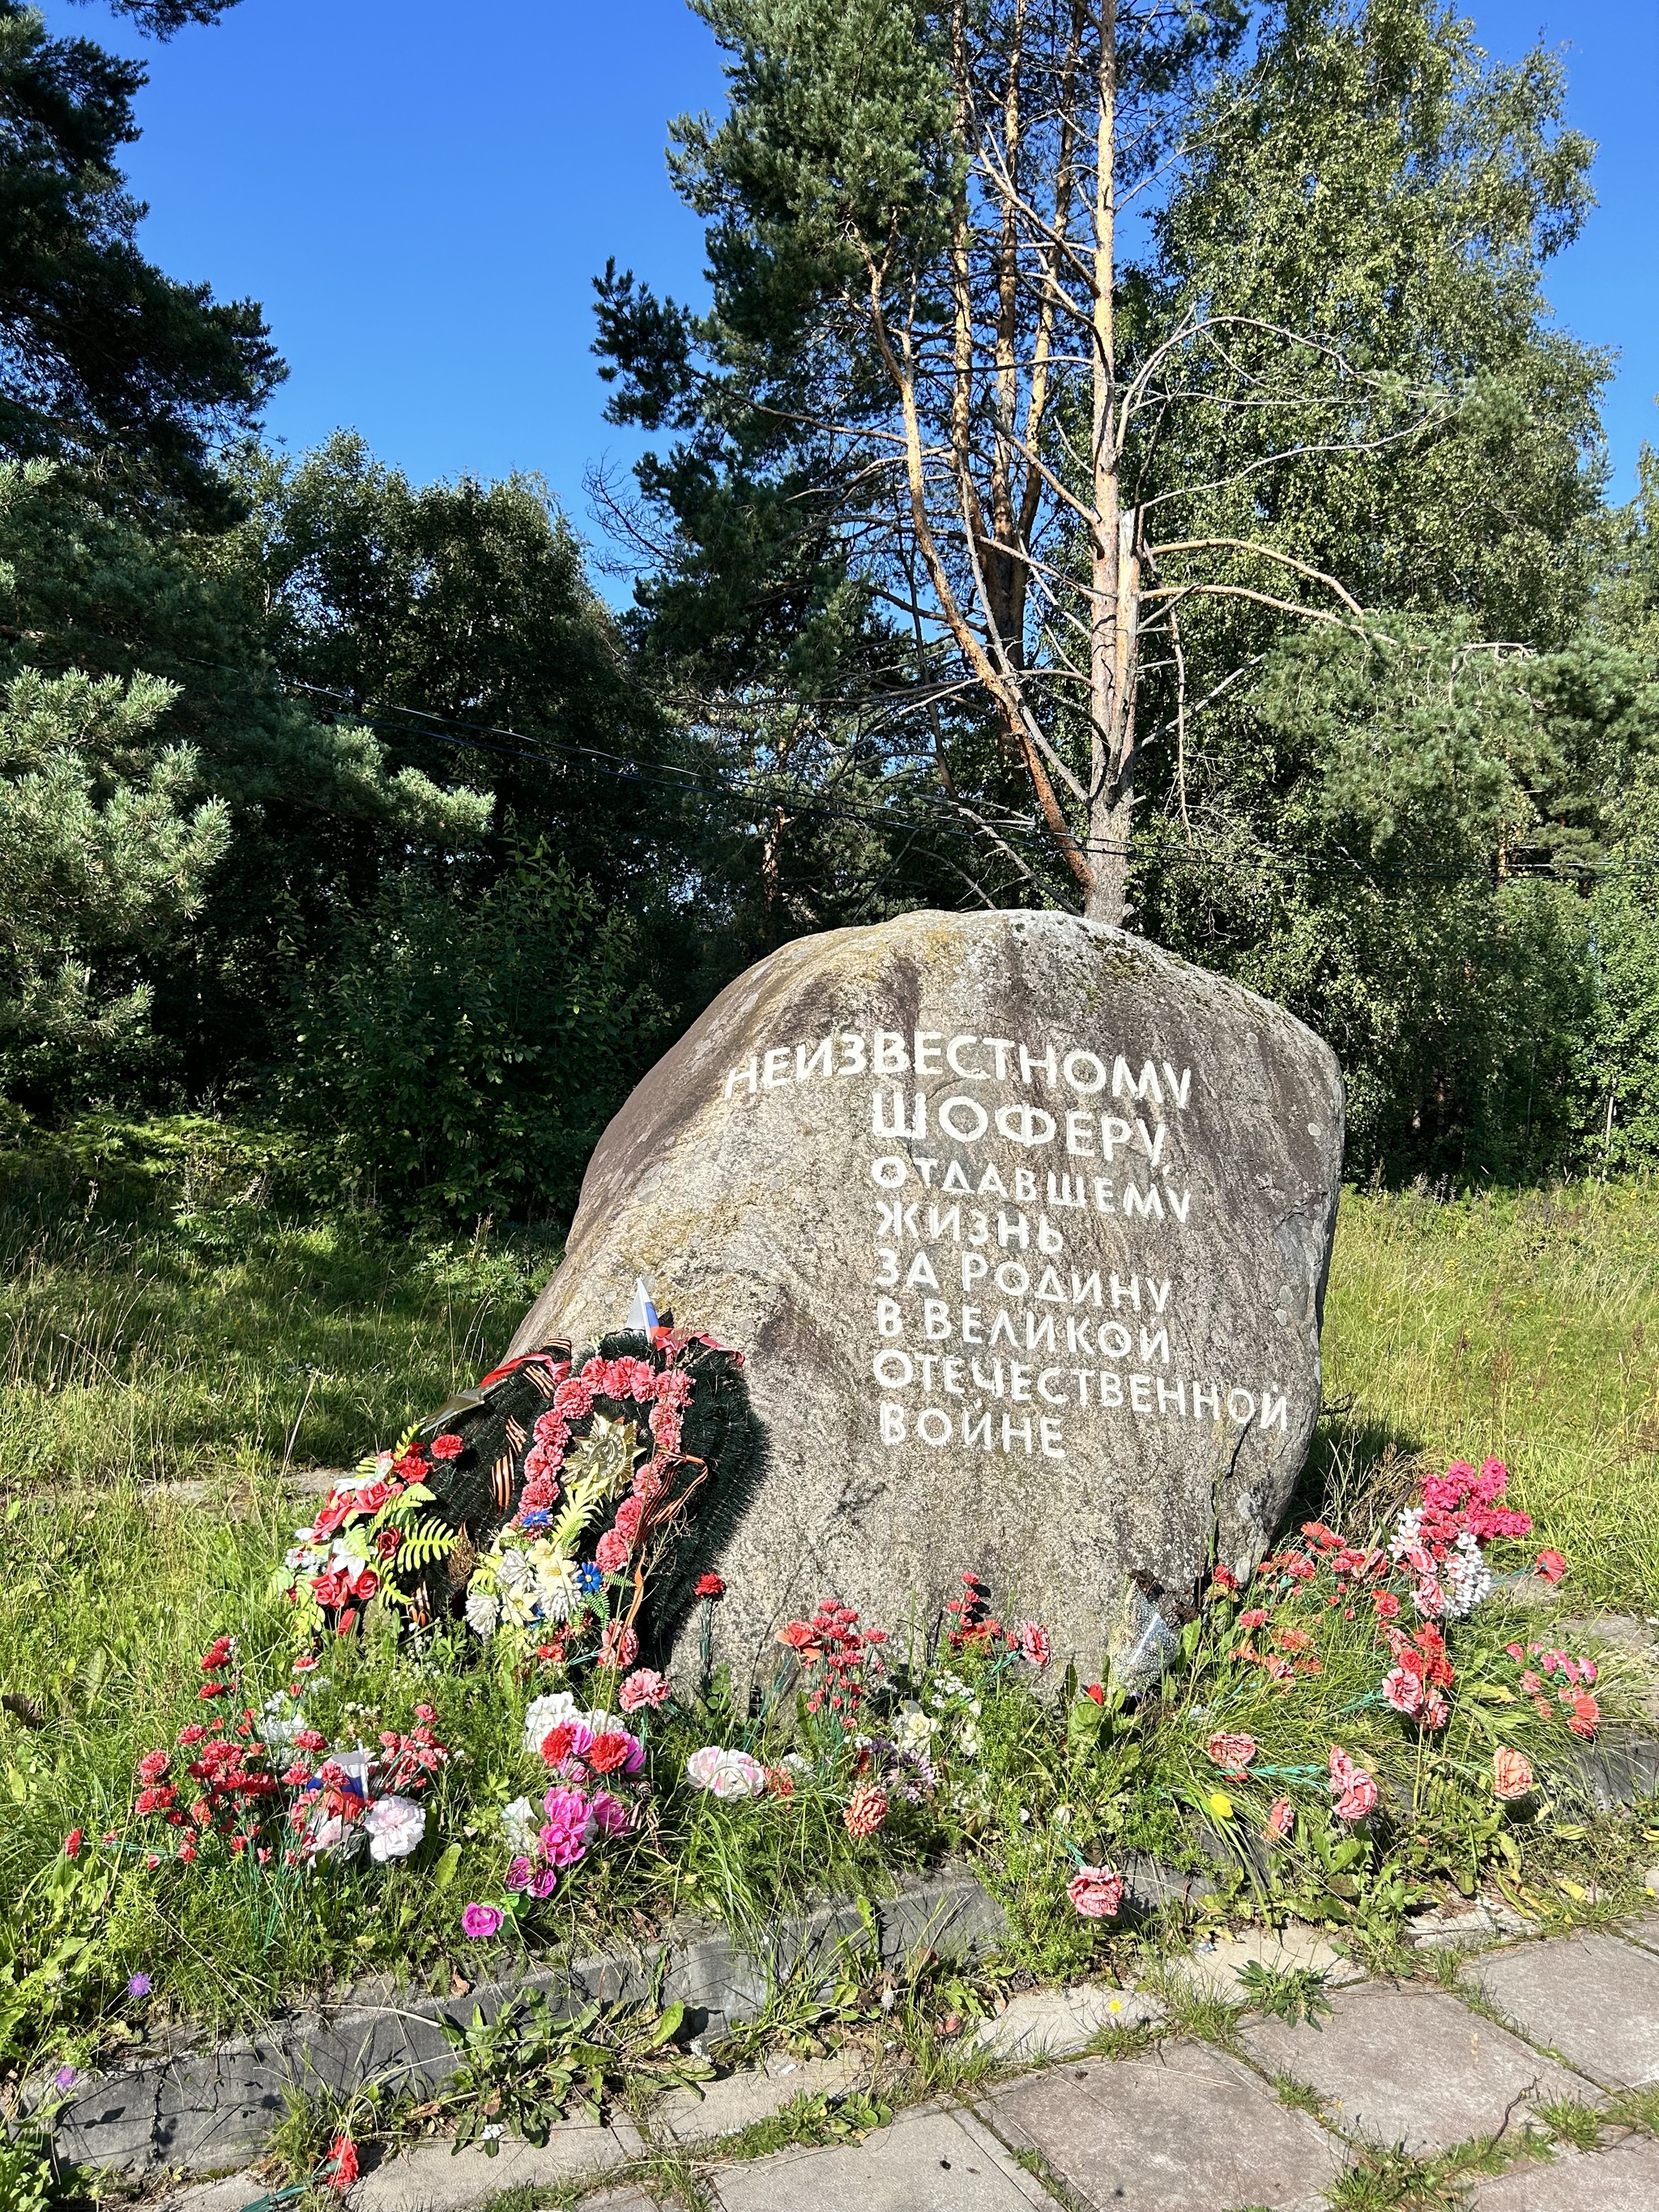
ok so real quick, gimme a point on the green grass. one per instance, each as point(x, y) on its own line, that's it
point(174, 1324)
point(182, 1320)
point(1525, 1326)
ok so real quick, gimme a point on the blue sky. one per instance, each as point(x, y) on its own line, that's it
point(420, 195)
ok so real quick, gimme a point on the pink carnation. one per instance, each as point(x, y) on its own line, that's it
point(611, 1552)
point(552, 1428)
point(645, 1686)
point(1231, 1753)
point(611, 1816)
point(1281, 1818)
point(1032, 1638)
point(630, 1514)
point(651, 1479)
point(667, 1426)
point(543, 1460)
point(619, 1646)
point(1355, 1789)
point(1096, 1892)
point(635, 1379)
point(568, 1829)
point(574, 1397)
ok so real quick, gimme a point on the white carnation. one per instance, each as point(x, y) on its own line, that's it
point(518, 1826)
point(395, 1826)
point(482, 1612)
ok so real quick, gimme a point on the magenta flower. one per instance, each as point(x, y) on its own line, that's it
point(481, 1922)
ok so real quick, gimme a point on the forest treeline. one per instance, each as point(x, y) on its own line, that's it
point(1126, 462)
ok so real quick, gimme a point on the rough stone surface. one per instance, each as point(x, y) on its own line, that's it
point(431, 2178)
point(1593, 1999)
point(1623, 2179)
point(1411, 2067)
point(1187, 2129)
point(1076, 1105)
point(754, 2093)
point(1215, 1967)
point(929, 2160)
point(1050, 2023)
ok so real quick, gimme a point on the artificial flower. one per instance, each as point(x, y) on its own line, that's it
point(395, 1826)
point(1355, 1789)
point(448, 1446)
point(542, 1715)
point(865, 1812)
point(1232, 1754)
point(710, 1586)
point(481, 1922)
point(1551, 1565)
point(725, 1774)
point(1511, 1774)
point(1281, 1820)
point(1097, 1893)
point(643, 1687)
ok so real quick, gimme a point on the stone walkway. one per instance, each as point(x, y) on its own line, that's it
point(1392, 2072)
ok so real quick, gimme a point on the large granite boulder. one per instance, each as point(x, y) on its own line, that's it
point(1024, 1225)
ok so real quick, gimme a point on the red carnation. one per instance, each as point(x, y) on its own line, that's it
point(710, 1586)
point(448, 1446)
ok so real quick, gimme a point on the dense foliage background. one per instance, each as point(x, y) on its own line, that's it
point(345, 808)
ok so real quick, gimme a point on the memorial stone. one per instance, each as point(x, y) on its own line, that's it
point(1023, 1225)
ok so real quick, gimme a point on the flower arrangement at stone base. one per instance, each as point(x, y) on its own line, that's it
point(266, 1783)
point(554, 1508)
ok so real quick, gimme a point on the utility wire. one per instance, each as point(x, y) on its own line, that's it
point(398, 721)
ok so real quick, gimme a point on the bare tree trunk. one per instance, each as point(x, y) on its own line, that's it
point(1111, 793)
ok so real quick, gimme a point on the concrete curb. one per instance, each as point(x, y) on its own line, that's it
point(200, 2109)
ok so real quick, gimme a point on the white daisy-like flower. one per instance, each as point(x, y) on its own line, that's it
point(483, 1612)
point(913, 1728)
point(518, 1606)
point(558, 1589)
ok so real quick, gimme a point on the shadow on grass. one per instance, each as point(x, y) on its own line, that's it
point(1360, 1470)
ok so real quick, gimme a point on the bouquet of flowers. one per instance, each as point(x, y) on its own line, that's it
point(269, 1785)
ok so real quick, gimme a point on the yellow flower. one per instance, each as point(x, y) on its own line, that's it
point(1221, 1804)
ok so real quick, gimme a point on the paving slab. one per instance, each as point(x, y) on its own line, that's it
point(1189, 2130)
point(1214, 1967)
point(1591, 1998)
point(431, 2178)
point(1623, 2179)
point(1411, 2067)
point(229, 2194)
point(929, 2161)
point(754, 2093)
point(1052, 2023)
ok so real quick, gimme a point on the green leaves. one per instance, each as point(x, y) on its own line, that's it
point(523, 2070)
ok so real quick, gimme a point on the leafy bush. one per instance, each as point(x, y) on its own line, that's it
point(469, 1051)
